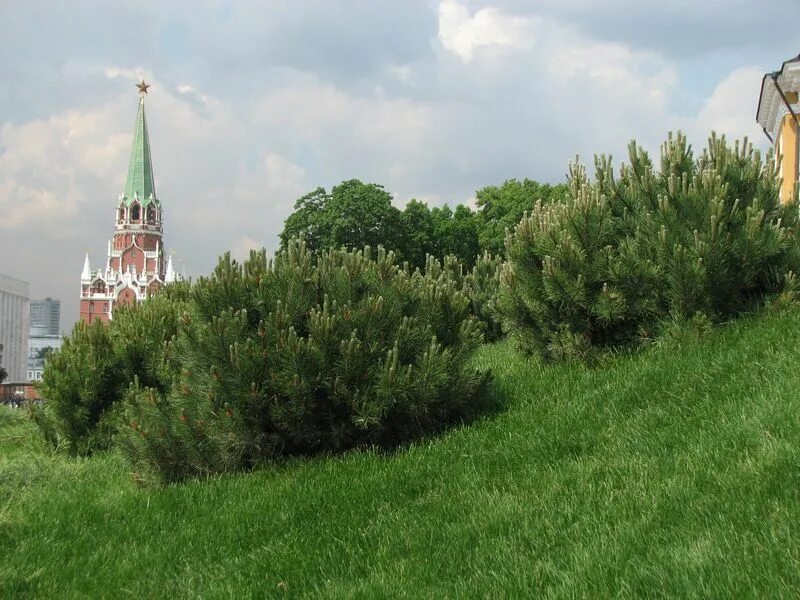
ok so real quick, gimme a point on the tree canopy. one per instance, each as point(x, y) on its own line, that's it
point(352, 215)
point(355, 214)
point(501, 207)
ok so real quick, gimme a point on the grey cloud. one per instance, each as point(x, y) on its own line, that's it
point(679, 29)
point(338, 38)
point(290, 95)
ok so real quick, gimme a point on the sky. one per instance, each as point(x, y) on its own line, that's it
point(254, 104)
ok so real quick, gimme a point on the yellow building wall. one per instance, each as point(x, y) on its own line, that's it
point(787, 148)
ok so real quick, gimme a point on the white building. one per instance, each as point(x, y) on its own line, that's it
point(14, 318)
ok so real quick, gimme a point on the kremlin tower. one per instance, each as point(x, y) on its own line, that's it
point(135, 266)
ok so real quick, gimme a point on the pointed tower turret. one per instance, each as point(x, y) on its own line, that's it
point(140, 183)
point(86, 274)
point(169, 276)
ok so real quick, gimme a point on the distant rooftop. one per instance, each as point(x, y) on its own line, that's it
point(15, 286)
point(773, 101)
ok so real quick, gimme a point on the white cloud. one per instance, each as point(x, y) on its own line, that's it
point(134, 75)
point(731, 108)
point(336, 134)
point(310, 109)
point(402, 72)
point(462, 33)
point(614, 67)
point(190, 90)
point(240, 250)
point(47, 164)
point(283, 176)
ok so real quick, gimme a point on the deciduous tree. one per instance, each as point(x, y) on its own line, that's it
point(501, 207)
point(353, 215)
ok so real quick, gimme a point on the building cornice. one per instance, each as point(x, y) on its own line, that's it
point(773, 104)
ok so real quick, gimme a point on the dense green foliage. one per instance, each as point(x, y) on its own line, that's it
point(84, 380)
point(480, 284)
point(418, 234)
point(356, 214)
point(670, 473)
point(701, 237)
point(437, 232)
point(352, 215)
point(304, 354)
point(501, 207)
point(307, 353)
point(81, 382)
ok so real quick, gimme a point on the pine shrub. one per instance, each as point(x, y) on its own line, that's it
point(85, 381)
point(480, 285)
point(700, 236)
point(81, 383)
point(306, 354)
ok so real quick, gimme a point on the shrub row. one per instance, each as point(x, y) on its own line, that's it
point(302, 354)
point(319, 352)
point(698, 236)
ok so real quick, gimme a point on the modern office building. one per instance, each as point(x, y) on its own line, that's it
point(14, 319)
point(45, 335)
point(45, 317)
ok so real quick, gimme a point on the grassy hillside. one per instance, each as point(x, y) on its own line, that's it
point(674, 472)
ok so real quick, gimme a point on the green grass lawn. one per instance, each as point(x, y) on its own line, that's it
point(675, 472)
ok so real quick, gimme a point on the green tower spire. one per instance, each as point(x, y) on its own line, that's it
point(140, 180)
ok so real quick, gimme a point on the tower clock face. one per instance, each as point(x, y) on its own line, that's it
point(126, 297)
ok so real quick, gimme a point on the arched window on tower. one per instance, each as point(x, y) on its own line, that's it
point(135, 213)
point(151, 215)
point(121, 215)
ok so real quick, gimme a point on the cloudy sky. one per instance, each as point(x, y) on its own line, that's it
point(255, 103)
